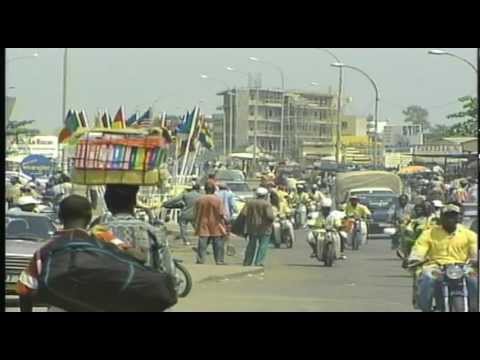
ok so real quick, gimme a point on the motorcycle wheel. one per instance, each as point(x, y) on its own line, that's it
point(329, 256)
point(185, 280)
point(289, 241)
point(457, 304)
point(355, 241)
point(319, 250)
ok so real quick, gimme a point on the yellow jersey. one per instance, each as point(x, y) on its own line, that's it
point(444, 248)
point(360, 211)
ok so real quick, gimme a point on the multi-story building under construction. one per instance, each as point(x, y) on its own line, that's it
point(309, 119)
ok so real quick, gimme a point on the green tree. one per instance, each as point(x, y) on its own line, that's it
point(417, 115)
point(469, 112)
point(437, 132)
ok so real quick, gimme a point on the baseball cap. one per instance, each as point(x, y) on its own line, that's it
point(451, 208)
point(261, 191)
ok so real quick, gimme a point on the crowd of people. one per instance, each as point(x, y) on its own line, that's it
point(428, 219)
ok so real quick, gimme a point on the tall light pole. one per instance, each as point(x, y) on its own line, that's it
point(237, 106)
point(377, 99)
point(282, 76)
point(446, 53)
point(338, 159)
point(229, 93)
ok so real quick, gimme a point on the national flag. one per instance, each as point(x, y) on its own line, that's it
point(132, 119)
point(83, 119)
point(119, 121)
point(146, 120)
point(185, 124)
point(205, 138)
point(72, 122)
point(104, 120)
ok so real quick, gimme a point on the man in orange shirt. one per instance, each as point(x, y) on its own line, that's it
point(210, 225)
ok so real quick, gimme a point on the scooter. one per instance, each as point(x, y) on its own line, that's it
point(282, 233)
point(327, 244)
point(355, 235)
point(451, 291)
point(300, 216)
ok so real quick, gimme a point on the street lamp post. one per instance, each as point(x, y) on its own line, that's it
point(229, 93)
point(282, 76)
point(446, 53)
point(377, 99)
point(339, 106)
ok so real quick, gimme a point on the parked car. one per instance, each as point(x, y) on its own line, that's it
point(241, 190)
point(25, 233)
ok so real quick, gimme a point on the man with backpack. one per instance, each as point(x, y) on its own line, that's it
point(75, 270)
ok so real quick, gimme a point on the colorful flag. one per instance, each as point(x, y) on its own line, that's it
point(205, 138)
point(83, 119)
point(146, 120)
point(132, 119)
point(119, 120)
point(104, 120)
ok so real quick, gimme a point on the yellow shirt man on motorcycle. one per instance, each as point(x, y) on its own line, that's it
point(357, 210)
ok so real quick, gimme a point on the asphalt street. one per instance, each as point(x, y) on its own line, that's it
point(370, 280)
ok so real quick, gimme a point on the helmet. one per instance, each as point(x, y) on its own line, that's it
point(354, 197)
point(326, 203)
point(314, 187)
point(437, 203)
point(28, 200)
point(262, 192)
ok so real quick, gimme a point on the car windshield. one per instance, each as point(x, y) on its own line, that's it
point(239, 187)
point(376, 200)
point(35, 228)
point(230, 175)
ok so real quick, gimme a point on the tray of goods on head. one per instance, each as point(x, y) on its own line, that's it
point(119, 156)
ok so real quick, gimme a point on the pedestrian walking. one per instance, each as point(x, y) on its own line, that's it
point(228, 199)
point(210, 225)
point(258, 217)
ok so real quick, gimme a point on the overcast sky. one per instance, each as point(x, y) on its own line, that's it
point(110, 77)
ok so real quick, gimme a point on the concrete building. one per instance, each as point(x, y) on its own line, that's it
point(309, 119)
point(354, 126)
point(403, 135)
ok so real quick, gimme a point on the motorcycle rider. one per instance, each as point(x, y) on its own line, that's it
point(27, 203)
point(437, 208)
point(316, 195)
point(445, 244)
point(401, 216)
point(421, 220)
point(358, 211)
point(321, 222)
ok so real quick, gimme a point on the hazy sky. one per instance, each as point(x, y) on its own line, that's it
point(110, 77)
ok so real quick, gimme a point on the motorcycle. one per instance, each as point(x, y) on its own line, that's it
point(355, 234)
point(327, 244)
point(184, 279)
point(451, 291)
point(300, 216)
point(282, 233)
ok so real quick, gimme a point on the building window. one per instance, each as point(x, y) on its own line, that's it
point(252, 111)
point(344, 125)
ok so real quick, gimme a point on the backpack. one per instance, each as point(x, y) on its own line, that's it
point(85, 274)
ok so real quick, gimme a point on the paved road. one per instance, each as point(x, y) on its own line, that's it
point(370, 280)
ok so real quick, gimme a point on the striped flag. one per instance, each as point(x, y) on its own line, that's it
point(119, 121)
point(83, 119)
point(104, 120)
point(132, 119)
point(146, 120)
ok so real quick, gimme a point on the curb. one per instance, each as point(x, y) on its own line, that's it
point(232, 276)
